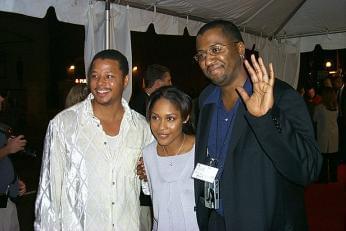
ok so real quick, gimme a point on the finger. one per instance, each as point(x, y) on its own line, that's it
point(140, 161)
point(243, 94)
point(20, 137)
point(271, 75)
point(256, 68)
point(251, 71)
point(263, 69)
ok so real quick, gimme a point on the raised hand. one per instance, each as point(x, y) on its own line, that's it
point(22, 187)
point(262, 99)
point(15, 144)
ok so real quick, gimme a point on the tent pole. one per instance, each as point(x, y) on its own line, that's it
point(107, 24)
point(288, 18)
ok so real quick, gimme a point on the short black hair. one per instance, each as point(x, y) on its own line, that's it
point(113, 55)
point(181, 100)
point(154, 72)
point(228, 28)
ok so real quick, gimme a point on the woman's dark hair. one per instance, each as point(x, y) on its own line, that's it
point(178, 98)
point(329, 98)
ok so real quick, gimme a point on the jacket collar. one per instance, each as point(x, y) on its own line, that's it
point(88, 113)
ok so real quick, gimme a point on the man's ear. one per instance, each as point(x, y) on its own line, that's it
point(241, 48)
point(126, 80)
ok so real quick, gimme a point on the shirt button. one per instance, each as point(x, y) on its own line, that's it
point(113, 203)
point(113, 183)
point(105, 143)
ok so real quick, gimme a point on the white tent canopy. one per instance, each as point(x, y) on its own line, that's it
point(266, 18)
point(280, 29)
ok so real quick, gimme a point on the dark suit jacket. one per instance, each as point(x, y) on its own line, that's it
point(139, 102)
point(270, 160)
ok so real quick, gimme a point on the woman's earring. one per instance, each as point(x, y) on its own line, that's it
point(242, 57)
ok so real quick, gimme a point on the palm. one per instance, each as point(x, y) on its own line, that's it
point(262, 99)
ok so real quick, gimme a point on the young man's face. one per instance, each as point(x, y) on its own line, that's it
point(219, 57)
point(311, 93)
point(107, 82)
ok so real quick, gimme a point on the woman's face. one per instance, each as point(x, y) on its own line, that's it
point(166, 123)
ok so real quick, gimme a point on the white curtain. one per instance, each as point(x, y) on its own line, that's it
point(120, 36)
point(327, 42)
point(285, 57)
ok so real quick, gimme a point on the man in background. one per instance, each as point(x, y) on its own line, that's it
point(10, 185)
point(339, 86)
point(156, 76)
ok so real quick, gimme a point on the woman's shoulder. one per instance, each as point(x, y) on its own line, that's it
point(190, 147)
point(150, 148)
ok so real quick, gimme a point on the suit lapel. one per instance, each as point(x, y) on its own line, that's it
point(204, 123)
point(203, 134)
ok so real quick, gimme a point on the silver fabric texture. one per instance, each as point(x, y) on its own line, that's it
point(83, 184)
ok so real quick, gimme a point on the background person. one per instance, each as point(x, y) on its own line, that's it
point(156, 76)
point(169, 160)
point(88, 179)
point(312, 99)
point(339, 87)
point(76, 94)
point(327, 133)
point(10, 186)
point(259, 131)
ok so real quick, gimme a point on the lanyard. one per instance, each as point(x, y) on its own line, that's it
point(222, 142)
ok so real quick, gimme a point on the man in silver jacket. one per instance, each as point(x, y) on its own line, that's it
point(88, 179)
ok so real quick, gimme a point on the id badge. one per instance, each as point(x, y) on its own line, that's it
point(211, 194)
point(211, 189)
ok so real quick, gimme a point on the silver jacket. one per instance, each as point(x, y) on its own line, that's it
point(84, 185)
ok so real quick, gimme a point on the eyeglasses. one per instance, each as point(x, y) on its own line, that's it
point(213, 50)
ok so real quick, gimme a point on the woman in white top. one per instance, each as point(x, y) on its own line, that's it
point(169, 160)
point(325, 117)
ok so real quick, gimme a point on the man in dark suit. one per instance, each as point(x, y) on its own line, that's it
point(257, 132)
point(339, 86)
point(156, 76)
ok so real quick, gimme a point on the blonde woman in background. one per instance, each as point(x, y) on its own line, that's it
point(325, 116)
point(76, 94)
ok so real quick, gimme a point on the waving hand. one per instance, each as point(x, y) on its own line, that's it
point(262, 99)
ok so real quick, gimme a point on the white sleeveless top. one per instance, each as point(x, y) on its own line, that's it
point(172, 189)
